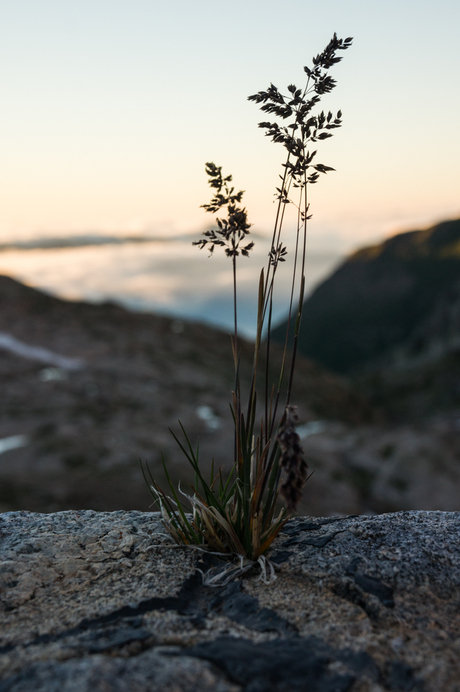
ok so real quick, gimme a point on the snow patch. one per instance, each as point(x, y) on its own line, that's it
point(43, 355)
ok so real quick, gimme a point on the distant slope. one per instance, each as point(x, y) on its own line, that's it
point(88, 390)
point(403, 295)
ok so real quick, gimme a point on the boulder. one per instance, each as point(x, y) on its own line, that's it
point(101, 602)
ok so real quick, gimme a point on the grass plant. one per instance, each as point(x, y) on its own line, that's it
point(240, 514)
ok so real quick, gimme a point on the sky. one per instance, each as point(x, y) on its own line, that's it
point(109, 110)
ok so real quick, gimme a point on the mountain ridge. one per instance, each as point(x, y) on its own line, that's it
point(379, 298)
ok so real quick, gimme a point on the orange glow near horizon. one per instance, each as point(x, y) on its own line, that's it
point(109, 113)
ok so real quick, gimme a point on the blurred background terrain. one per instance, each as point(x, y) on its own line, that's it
point(89, 390)
point(113, 327)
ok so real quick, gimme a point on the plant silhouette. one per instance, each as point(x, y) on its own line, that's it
point(239, 515)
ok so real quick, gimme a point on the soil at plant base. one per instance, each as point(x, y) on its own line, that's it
point(74, 438)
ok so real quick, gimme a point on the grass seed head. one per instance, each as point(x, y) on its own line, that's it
point(292, 462)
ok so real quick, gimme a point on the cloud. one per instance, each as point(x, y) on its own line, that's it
point(162, 275)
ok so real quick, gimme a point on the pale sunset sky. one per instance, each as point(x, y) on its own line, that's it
point(109, 110)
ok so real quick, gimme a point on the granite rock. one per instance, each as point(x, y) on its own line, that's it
point(102, 602)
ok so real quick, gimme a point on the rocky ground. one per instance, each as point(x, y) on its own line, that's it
point(102, 602)
point(77, 416)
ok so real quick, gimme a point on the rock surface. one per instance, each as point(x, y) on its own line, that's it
point(102, 602)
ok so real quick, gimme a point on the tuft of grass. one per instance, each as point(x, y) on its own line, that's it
point(240, 515)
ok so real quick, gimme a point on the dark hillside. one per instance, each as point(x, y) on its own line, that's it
point(383, 297)
point(72, 437)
